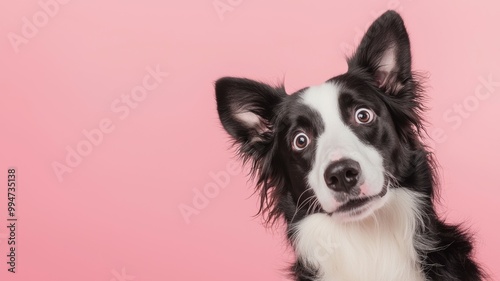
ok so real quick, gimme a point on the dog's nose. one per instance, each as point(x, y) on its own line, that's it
point(342, 175)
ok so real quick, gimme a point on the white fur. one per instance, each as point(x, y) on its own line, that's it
point(252, 121)
point(388, 62)
point(339, 141)
point(387, 66)
point(380, 247)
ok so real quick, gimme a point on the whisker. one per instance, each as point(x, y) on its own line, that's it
point(301, 204)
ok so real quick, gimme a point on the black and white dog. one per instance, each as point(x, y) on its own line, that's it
point(343, 164)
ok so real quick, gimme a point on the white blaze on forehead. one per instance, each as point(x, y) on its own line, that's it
point(339, 141)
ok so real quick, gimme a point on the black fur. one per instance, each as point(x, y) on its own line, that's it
point(396, 98)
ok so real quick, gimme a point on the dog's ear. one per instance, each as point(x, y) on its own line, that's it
point(247, 110)
point(384, 53)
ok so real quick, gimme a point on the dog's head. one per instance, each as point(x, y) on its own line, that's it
point(337, 147)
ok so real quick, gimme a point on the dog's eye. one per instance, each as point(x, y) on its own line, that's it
point(300, 141)
point(364, 115)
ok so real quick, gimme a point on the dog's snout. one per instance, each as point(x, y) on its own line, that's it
point(342, 175)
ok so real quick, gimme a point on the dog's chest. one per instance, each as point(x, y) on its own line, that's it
point(380, 248)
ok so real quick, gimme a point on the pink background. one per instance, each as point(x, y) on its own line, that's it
point(117, 211)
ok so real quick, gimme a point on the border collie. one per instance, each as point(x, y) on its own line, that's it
point(344, 166)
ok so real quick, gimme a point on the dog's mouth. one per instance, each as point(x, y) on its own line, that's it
point(357, 205)
point(352, 205)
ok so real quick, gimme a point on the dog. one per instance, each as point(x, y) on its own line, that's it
point(343, 165)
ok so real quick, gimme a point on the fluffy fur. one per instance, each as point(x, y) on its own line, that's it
point(347, 251)
point(343, 165)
